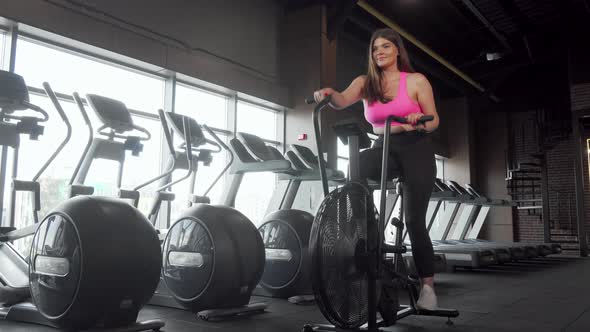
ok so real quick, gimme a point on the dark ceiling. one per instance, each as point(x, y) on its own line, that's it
point(530, 37)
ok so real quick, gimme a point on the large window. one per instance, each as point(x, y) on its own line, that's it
point(257, 188)
point(67, 72)
point(257, 120)
point(205, 107)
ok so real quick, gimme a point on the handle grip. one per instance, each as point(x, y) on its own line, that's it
point(423, 119)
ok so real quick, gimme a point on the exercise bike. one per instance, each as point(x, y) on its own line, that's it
point(352, 277)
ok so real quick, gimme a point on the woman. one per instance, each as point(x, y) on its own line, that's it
point(392, 88)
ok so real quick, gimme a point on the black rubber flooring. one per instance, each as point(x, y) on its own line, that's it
point(550, 294)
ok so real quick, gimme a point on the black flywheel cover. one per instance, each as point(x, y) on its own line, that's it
point(338, 252)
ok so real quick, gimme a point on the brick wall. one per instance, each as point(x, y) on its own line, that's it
point(560, 172)
point(527, 224)
point(562, 195)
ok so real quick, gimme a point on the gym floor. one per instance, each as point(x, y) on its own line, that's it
point(549, 294)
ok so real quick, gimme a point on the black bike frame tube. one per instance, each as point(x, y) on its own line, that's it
point(375, 266)
point(399, 238)
point(318, 139)
point(384, 166)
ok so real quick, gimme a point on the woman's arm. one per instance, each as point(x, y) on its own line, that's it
point(425, 98)
point(343, 99)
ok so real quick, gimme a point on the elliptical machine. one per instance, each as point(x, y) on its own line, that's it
point(116, 140)
point(75, 281)
point(352, 278)
point(213, 256)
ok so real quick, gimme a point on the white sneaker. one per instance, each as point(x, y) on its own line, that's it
point(427, 300)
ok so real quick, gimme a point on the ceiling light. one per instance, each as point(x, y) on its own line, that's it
point(493, 56)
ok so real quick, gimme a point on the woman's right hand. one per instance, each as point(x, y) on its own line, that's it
point(319, 95)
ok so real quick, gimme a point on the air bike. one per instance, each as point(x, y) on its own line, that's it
point(355, 274)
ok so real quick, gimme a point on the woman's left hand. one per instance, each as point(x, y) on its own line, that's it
point(413, 120)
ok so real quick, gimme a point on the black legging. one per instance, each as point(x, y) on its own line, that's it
point(414, 154)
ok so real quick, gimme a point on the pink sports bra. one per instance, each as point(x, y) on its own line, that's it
point(376, 113)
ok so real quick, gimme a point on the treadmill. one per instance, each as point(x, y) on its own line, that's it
point(542, 249)
point(433, 207)
point(505, 252)
point(303, 170)
point(457, 255)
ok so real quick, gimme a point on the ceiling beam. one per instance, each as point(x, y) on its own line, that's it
point(525, 27)
point(475, 11)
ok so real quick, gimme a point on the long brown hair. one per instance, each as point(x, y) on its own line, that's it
point(372, 90)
